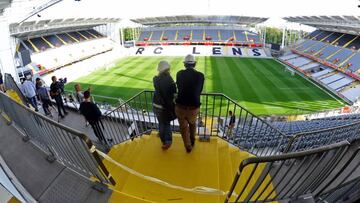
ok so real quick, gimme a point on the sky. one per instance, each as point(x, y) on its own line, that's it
point(273, 9)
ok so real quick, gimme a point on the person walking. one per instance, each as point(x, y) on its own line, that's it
point(29, 91)
point(44, 96)
point(190, 85)
point(93, 114)
point(163, 102)
point(55, 93)
point(79, 93)
point(231, 125)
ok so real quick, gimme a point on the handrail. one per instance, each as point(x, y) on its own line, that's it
point(289, 139)
point(69, 146)
point(127, 101)
point(328, 139)
point(202, 94)
point(294, 169)
point(135, 117)
point(324, 130)
point(289, 155)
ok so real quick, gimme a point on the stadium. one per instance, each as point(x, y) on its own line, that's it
point(279, 119)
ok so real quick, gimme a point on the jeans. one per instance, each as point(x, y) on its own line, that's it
point(33, 103)
point(60, 104)
point(187, 122)
point(164, 126)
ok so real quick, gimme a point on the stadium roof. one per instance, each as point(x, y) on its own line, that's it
point(42, 27)
point(4, 4)
point(343, 24)
point(236, 20)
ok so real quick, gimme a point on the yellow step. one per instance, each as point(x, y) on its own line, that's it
point(172, 175)
point(226, 173)
point(126, 156)
point(237, 157)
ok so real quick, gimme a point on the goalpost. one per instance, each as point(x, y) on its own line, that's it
point(290, 70)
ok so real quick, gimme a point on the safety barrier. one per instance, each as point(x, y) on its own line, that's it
point(313, 139)
point(286, 167)
point(68, 146)
point(135, 117)
point(316, 173)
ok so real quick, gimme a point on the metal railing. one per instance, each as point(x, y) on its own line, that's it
point(104, 102)
point(68, 146)
point(314, 173)
point(272, 176)
point(250, 133)
point(313, 139)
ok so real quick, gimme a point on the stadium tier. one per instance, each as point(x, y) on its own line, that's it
point(199, 35)
point(330, 58)
point(43, 43)
point(51, 52)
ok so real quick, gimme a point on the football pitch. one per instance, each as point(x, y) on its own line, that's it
point(263, 86)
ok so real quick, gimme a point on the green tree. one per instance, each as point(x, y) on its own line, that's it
point(128, 34)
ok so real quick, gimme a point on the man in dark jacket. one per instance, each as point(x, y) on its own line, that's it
point(190, 85)
point(55, 93)
point(92, 114)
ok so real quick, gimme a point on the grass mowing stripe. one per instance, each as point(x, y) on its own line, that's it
point(247, 81)
point(276, 82)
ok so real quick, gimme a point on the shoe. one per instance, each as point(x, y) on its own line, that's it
point(66, 113)
point(165, 146)
point(110, 140)
point(36, 110)
point(62, 116)
point(188, 149)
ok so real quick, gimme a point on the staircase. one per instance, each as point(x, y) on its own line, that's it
point(211, 164)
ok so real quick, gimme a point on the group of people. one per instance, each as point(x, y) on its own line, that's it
point(185, 107)
point(189, 85)
point(37, 91)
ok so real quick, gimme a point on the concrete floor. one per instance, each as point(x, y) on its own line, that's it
point(45, 181)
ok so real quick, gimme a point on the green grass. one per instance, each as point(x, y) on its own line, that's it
point(260, 85)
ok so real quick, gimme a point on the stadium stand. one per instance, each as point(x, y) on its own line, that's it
point(295, 127)
point(330, 48)
point(60, 43)
point(198, 34)
point(43, 43)
point(169, 35)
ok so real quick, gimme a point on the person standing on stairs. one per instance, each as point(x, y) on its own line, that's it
point(190, 84)
point(55, 93)
point(29, 91)
point(230, 127)
point(163, 102)
point(93, 114)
